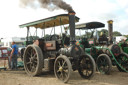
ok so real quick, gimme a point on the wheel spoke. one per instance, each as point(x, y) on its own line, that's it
point(59, 63)
point(86, 72)
point(29, 54)
point(32, 69)
point(63, 63)
point(28, 63)
point(35, 56)
point(35, 61)
point(30, 66)
point(33, 53)
point(62, 75)
point(103, 68)
point(66, 74)
point(58, 71)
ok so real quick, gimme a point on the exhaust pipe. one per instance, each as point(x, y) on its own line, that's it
point(110, 31)
point(72, 27)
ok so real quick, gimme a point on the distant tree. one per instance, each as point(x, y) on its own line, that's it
point(47, 35)
point(116, 33)
point(126, 36)
point(31, 38)
point(88, 34)
point(104, 31)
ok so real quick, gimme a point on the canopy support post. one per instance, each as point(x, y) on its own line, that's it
point(27, 35)
point(61, 26)
point(44, 29)
point(54, 27)
point(36, 32)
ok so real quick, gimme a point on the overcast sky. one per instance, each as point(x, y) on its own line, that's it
point(12, 14)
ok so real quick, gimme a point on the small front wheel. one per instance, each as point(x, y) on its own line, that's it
point(86, 66)
point(104, 64)
point(62, 68)
point(123, 61)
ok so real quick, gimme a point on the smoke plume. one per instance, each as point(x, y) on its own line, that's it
point(48, 4)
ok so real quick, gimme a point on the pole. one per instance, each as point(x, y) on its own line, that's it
point(27, 35)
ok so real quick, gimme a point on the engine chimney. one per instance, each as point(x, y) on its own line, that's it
point(72, 27)
point(110, 31)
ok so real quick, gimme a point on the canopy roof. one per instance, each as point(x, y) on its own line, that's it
point(61, 19)
point(90, 25)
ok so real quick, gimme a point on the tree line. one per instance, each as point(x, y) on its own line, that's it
point(115, 33)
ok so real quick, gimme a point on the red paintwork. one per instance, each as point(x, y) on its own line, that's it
point(7, 54)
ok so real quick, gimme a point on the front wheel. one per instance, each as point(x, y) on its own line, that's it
point(123, 61)
point(87, 66)
point(62, 68)
point(104, 64)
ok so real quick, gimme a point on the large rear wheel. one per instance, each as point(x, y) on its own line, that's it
point(87, 66)
point(104, 64)
point(33, 60)
point(62, 68)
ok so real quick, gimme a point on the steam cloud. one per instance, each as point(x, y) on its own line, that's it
point(49, 4)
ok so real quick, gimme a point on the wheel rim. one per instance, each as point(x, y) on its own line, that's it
point(31, 60)
point(103, 65)
point(86, 67)
point(62, 69)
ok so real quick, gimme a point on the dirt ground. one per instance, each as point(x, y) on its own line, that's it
point(21, 78)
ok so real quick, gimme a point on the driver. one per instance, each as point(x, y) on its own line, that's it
point(65, 40)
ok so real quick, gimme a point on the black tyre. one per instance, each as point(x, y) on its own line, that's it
point(33, 60)
point(123, 61)
point(87, 66)
point(104, 64)
point(62, 68)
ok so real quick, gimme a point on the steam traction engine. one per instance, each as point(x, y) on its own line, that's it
point(102, 49)
point(53, 55)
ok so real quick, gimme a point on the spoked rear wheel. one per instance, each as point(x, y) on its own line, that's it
point(62, 68)
point(33, 60)
point(123, 61)
point(87, 66)
point(104, 64)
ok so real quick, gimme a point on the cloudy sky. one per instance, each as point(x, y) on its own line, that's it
point(12, 14)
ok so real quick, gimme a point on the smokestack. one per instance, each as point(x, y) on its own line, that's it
point(110, 31)
point(72, 27)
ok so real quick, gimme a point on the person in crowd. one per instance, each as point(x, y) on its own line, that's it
point(13, 56)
